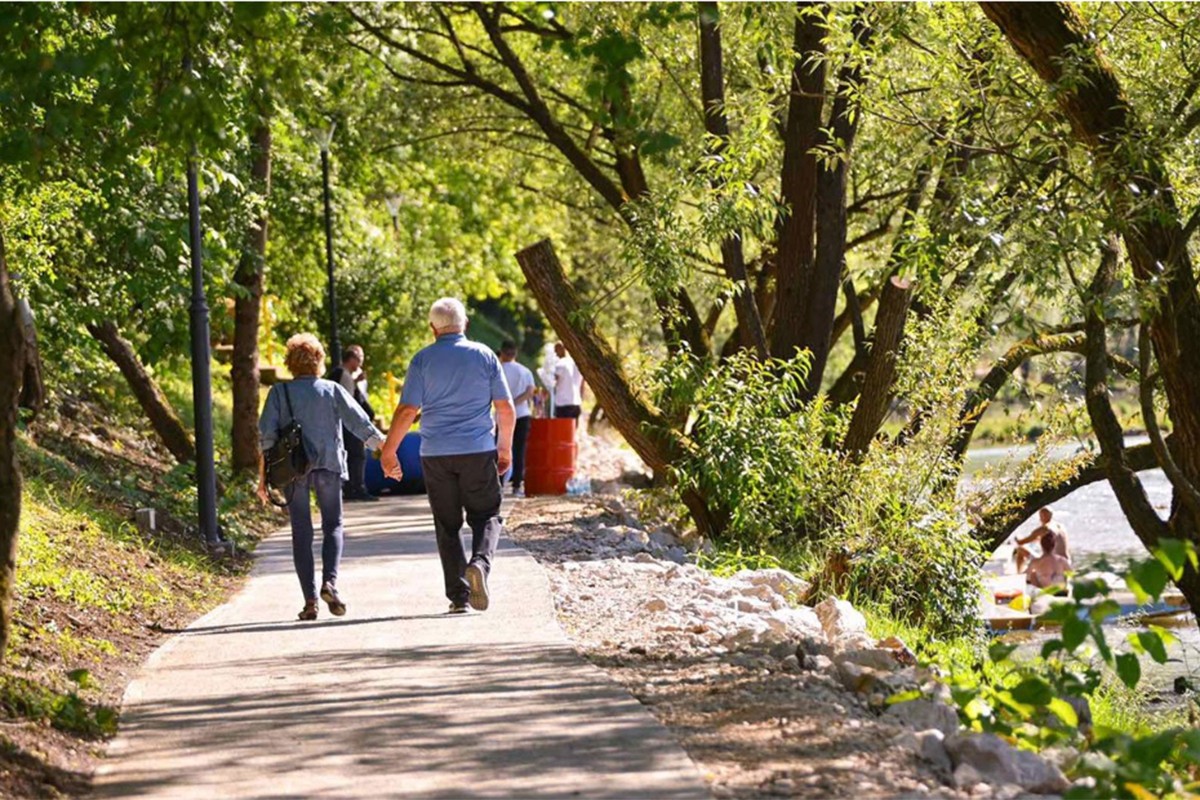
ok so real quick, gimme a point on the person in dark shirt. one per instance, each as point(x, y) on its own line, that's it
point(353, 379)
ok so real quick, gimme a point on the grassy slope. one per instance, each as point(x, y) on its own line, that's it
point(94, 596)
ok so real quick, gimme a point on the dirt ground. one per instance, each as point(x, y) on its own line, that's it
point(54, 730)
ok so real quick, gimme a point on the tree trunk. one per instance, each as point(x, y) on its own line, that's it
point(12, 365)
point(158, 410)
point(632, 414)
point(1055, 41)
point(821, 285)
point(876, 393)
point(733, 260)
point(798, 181)
point(247, 305)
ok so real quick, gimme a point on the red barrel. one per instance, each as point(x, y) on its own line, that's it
point(550, 457)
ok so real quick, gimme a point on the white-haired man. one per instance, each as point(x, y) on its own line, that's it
point(454, 383)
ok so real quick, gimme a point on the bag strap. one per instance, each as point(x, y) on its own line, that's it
point(287, 398)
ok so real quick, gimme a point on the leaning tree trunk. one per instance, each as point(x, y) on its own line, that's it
point(247, 305)
point(155, 405)
point(12, 364)
point(1056, 42)
point(645, 428)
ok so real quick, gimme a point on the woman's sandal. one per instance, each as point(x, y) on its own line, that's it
point(309, 613)
point(331, 598)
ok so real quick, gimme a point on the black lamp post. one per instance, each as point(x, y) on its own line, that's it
point(206, 476)
point(325, 138)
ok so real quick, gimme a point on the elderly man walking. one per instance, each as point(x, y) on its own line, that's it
point(454, 384)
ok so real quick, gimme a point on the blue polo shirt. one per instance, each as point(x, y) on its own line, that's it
point(454, 381)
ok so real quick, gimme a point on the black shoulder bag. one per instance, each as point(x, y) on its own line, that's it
point(286, 461)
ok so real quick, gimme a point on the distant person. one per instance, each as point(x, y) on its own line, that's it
point(568, 386)
point(322, 408)
point(455, 384)
point(353, 379)
point(1050, 569)
point(1062, 547)
point(521, 385)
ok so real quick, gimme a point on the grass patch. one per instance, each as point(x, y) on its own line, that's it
point(66, 711)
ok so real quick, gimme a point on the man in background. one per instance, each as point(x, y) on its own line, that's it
point(568, 386)
point(353, 379)
point(520, 384)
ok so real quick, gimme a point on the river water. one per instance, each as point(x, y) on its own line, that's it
point(1099, 535)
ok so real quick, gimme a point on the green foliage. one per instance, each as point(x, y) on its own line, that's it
point(883, 530)
point(1037, 702)
point(66, 711)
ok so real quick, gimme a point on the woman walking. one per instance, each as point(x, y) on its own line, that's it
point(321, 408)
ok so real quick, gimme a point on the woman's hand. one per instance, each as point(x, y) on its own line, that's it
point(262, 492)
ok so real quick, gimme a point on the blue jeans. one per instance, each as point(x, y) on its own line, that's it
point(328, 487)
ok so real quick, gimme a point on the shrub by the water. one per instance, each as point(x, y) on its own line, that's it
point(884, 529)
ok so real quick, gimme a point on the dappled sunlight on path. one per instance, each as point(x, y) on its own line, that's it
point(397, 699)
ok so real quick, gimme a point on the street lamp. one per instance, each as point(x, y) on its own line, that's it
point(324, 139)
point(206, 474)
point(393, 202)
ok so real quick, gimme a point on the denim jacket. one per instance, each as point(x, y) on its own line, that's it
point(322, 408)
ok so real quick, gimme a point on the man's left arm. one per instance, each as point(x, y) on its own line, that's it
point(506, 420)
point(402, 421)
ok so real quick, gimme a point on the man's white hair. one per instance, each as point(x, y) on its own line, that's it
point(448, 312)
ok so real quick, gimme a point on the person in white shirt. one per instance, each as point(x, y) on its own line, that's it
point(521, 386)
point(568, 386)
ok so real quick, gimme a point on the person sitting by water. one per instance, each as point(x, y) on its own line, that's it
point(1062, 548)
point(1049, 571)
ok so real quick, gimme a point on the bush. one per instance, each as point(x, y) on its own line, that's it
point(1037, 702)
point(883, 530)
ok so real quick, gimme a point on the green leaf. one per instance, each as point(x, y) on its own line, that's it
point(1064, 711)
point(1033, 691)
point(1129, 669)
point(1151, 642)
point(1087, 589)
point(1103, 610)
point(81, 677)
point(1000, 651)
point(1153, 750)
point(1174, 555)
point(903, 697)
point(1190, 739)
point(1074, 632)
point(1147, 579)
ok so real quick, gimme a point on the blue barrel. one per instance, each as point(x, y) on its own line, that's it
point(410, 462)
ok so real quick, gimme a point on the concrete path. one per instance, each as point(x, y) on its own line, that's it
point(396, 699)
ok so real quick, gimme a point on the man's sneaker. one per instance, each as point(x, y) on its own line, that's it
point(458, 608)
point(518, 492)
point(330, 596)
point(477, 581)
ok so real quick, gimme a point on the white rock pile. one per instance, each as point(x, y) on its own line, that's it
point(646, 579)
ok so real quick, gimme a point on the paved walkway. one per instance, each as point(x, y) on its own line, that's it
point(396, 699)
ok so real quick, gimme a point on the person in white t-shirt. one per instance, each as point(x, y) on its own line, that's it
point(568, 386)
point(521, 386)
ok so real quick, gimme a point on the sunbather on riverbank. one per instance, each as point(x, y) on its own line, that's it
point(1050, 569)
point(1062, 548)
